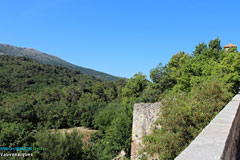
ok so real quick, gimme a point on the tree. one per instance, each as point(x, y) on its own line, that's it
point(157, 73)
point(161, 79)
point(118, 135)
point(135, 86)
point(215, 44)
point(200, 49)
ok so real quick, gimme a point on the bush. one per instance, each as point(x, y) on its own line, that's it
point(58, 146)
point(183, 116)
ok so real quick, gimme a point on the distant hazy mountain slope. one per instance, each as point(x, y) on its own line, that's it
point(44, 58)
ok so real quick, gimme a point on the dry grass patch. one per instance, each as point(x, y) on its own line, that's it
point(86, 132)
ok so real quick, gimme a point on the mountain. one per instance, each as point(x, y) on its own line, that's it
point(6, 49)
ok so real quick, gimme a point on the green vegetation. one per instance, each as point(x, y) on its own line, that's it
point(36, 98)
point(44, 58)
point(198, 86)
point(59, 146)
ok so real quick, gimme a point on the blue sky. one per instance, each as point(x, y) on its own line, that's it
point(119, 37)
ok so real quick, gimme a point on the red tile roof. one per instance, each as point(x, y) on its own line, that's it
point(230, 45)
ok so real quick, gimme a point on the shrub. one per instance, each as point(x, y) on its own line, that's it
point(183, 116)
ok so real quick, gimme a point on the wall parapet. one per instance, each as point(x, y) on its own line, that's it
point(219, 140)
point(144, 116)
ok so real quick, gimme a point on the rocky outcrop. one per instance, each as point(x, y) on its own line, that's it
point(144, 116)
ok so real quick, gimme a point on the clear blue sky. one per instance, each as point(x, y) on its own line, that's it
point(119, 37)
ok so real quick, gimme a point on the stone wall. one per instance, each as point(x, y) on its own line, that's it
point(144, 116)
point(219, 140)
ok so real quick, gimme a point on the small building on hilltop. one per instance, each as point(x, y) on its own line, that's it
point(230, 45)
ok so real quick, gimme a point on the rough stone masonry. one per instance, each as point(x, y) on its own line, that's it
point(144, 116)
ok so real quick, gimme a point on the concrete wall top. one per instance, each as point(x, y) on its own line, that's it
point(219, 139)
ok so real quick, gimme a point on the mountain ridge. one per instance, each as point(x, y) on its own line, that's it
point(44, 58)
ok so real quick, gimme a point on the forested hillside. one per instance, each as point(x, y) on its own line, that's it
point(36, 98)
point(44, 58)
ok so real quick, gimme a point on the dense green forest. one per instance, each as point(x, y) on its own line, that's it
point(44, 58)
point(36, 98)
